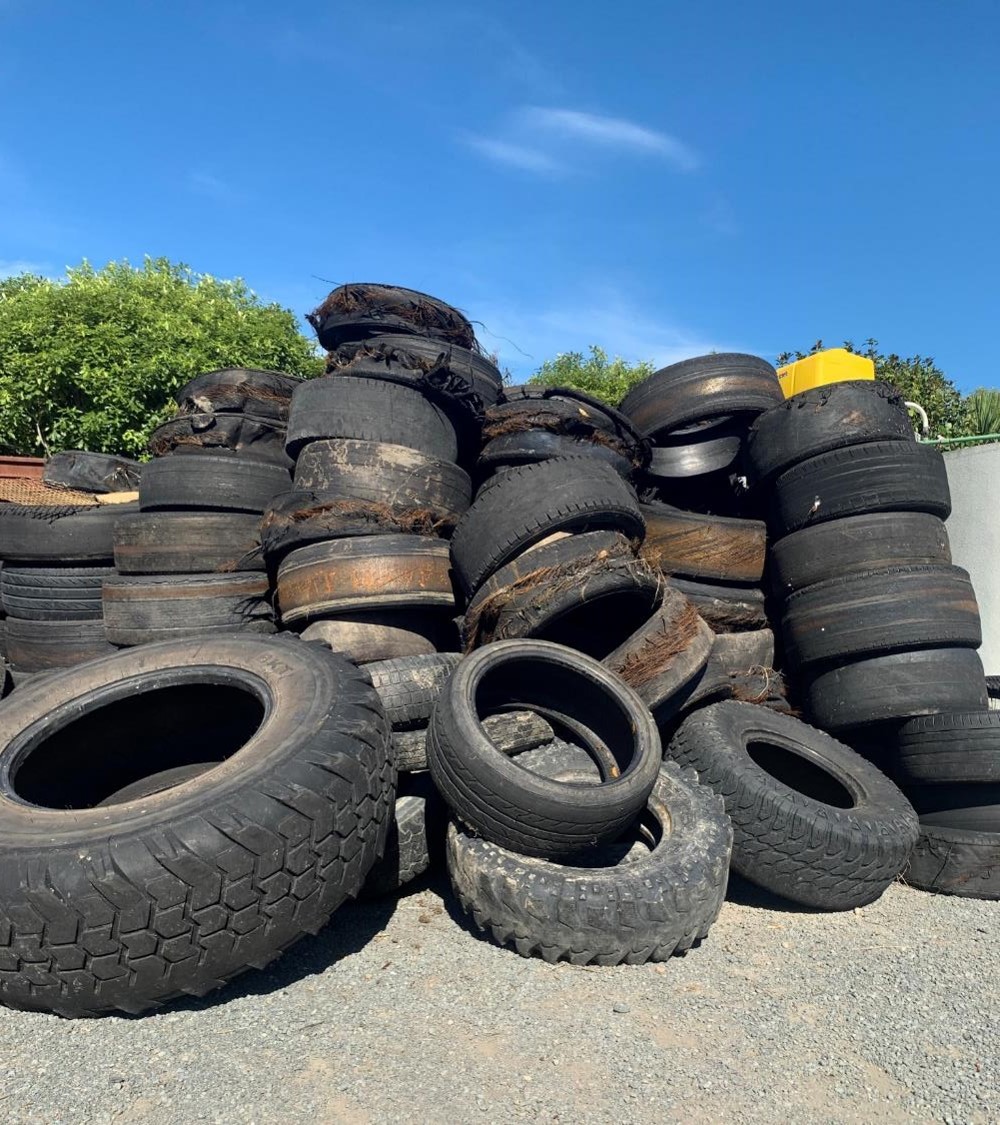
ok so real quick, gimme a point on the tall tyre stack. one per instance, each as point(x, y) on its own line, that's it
point(189, 561)
point(878, 625)
point(701, 527)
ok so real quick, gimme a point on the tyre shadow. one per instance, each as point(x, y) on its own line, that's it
point(742, 892)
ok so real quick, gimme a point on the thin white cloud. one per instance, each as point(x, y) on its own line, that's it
point(513, 155)
point(615, 132)
point(204, 183)
point(12, 267)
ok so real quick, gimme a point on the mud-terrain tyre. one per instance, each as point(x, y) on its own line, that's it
point(955, 861)
point(812, 821)
point(410, 687)
point(416, 837)
point(696, 546)
point(210, 481)
point(610, 908)
point(508, 804)
point(881, 611)
point(64, 593)
point(124, 907)
point(187, 542)
point(708, 386)
point(897, 687)
point(824, 418)
point(882, 476)
point(525, 505)
point(854, 544)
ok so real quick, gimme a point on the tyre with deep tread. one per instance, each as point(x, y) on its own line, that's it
point(123, 908)
point(409, 687)
point(824, 418)
point(625, 904)
point(856, 543)
point(505, 802)
point(415, 839)
point(525, 505)
point(884, 476)
point(812, 821)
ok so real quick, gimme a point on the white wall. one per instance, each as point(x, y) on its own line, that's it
point(974, 530)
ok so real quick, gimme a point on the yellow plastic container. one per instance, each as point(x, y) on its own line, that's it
point(835, 365)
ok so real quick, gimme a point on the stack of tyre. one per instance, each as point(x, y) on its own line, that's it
point(701, 526)
point(189, 560)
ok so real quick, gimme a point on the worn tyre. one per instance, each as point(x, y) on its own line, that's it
point(187, 542)
point(210, 481)
point(122, 908)
point(725, 609)
point(657, 899)
point(409, 687)
point(531, 446)
point(60, 535)
point(737, 652)
point(239, 390)
point(881, 611)
point(226, 435)
point(92, 472)
point(40, 646)
point(903, 685)
point(954, 861)
point(947, 749)
point(140, 609)
point(360, 310)
point(508, 804)
point(66, 593)
point(698, 546)
point(709, 386)
point(812, 821)
point(374, 572)
point(403, 479)
point(525, 505)
point(587, 591)
point(511, 732)
point(884, 476)
point(993, 692)
point(855, 544)
point(821, 419)
point(697, 451)
point(388, 635)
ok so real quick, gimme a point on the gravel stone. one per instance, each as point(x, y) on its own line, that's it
point(397, 1012)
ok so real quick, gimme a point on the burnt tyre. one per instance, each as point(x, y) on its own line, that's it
point(121, 907)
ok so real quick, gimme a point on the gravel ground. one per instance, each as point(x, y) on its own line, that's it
point(399, 1013)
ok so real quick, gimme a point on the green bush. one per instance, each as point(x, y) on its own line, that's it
point(91, 361)
point(607, 379)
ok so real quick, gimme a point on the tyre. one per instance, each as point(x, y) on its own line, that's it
point(587, 591)
point(666, 653)
point(697, 546)
point(855, 544)
point(511, 732)
point(409, 687)
point(737, 652)
point(366, 637)
point(210, 481)
point(373, 572)
point(525, 505)
point(140, 609)
point(971, 808)
point(38, 593)
point(884, 476)
point(446, 368)
point(92, 472)
point(506, 803)
point(654, 895)
point(725, 609)
point(342, 406)
point(812, 821)
point(993, 692)
point(416, 837)
point(394, 475)
point(260, 439)
point(124, 907)
point(706, 387)
point(709, 447)
point(531, 446)
point(956, 748)
point(59, 535)
point(881, 611)
point(361, 310)
point(239, 390)
point(187, 542)
point(821, 419)
point(903, 685)
point(39, 646)
point(952, 861)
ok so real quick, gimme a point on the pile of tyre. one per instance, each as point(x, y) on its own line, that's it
point(516, 633)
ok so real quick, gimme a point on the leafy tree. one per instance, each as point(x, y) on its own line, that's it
point(982, 413)
point(607, 379)
point(917, 378)
point(92, 361)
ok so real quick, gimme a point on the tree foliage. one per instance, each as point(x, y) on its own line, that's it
point(91, 361)
point(918, 378)
point(607, 379)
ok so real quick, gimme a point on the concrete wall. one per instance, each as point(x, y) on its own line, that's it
point(974, 530)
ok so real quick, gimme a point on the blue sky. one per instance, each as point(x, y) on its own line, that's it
point(659, 179)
